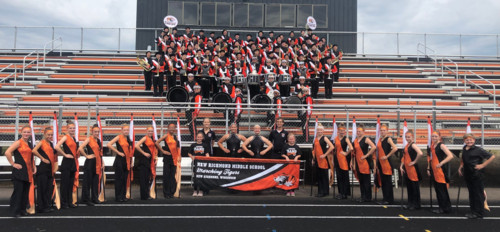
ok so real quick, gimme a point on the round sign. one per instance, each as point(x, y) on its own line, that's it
point(311, 23)
point(170, 21)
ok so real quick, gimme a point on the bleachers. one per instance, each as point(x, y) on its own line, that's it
point(365, 83)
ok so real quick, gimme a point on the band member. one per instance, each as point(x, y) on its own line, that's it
point(158, 72)
point(233, 142)
point(148, 75)
point(361, 165)
point(235, 116)
point(278, 138)
point(92, 167)
point(23, 169)
point(474, 160)
point(341, 159)
point(209, 136)
point(336, 56)
point(301, 71)
point(383, 169)
point(228, 88)
point(305, 115)
point(321, 148)
point(291, 151)
point(268, 68)
point(329, 73)
point(171, 78)
point(198, 149)
point(180, 67)
point(206, 72)
point(256, 143)
point(315, 68)
point(122, 164)
point(409, 167)
point(171, 152)
point(285, 69)
point(146, 163)
point(299, 88)
point(271, 114)
point(437, 168)
point(194, 110)
point(69, 166)
point(189, 85)
point(46, 171)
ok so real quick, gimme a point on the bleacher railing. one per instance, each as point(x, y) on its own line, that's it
point(81, 39)
point(451, 121)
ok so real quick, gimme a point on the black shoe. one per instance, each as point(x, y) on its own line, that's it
point(47, 210)
point(64, 207)
point(384, 203)
point(72, 206)
point(339, 197)
point(438, 211)
point(88, 203)
point(473, 216)
point(96, 202)
point(344, 197)
point(24, 213)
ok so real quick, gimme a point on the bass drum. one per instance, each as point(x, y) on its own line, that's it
point(178, 95)
point(261, 99)
point(221, 97)
point(292, 103)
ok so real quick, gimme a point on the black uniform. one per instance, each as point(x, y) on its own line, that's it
point(413, 187)
point(169, 170)
point(68, 170)
point(45, 181)
point(144, 166)
point(256, 146)
point(19, 201)
point(279, 140)
point(121, 173)
point(343, 184)
point(148, 75)
point(321, 173)
point(158, 78)
point(386, 180)
point(442, 188)
point(474, 178)
point(208, 139)
point(90, 178)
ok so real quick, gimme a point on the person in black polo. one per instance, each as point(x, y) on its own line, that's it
point(208, 135)
point(278, 138)
point(474, 160)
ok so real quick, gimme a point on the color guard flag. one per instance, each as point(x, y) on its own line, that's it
point(77, 131)
point(335, 129)
point(55, 130)
point(405, 129)
point(179, 131)
point(32, 130)
point(315, 128)
point(155, 134)
point(377, 132)
point(354, 129)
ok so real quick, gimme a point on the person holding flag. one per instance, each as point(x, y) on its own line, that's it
point(341, 159)
point(171, 152)
point(146, 162)
point(322, 146)
point(70, 166)
point(363, 149)
point(122, 165)
point(383, 168)
point(91, 148)
point(23, 169)
point(438, 169)
point(46, 172)
point(409, 169)
point(474, 160)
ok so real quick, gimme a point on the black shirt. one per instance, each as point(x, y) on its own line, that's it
point(278, 139)
point(472, 157)
point(199, 149)
point(256, 146)
point(291, 151)
point(233, 144)
point(208, 139)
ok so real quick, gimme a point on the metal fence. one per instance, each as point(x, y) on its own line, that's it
point(451, 121)
point(13, 38)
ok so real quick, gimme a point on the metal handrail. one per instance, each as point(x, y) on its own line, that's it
point(484, 79)
point(425, 54)
point(14, 73)
point(444, 66)
point(33, 61)
point(52, 49)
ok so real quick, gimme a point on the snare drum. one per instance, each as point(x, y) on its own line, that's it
point(270, 75)
point(285, 79)
point(253, 79)
point(239, 79)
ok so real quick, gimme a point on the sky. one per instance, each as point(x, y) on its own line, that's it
point(408, 16)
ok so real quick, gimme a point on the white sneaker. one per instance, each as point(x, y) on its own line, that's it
point(287, 194)
point(292, 194)
point(195, 193)
point(200, 193)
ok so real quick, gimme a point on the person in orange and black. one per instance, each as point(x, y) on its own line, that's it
point(158, 72)
point(278, 137)
point(235, 116)
point(205, 73)
point(198, 149)
point(329, 71)
point(69, 166)
point(194, 109)
point(315, 68)
point(305, 115)
point(437, 167)
point(148, 75)
point(322, 146)
point(23, 169)
point(383, 168)
point(189, 85)
point(474, 160)
point(91, 148)
point(46, 171)
point(363, 149)
point(146, 160)
point(336, 56)
point(256, 143)
point(409, 168)
point(341, 159)
point(209, 136)
point(278, 105)
point(122, 164)
point(171, 152)
point(233, 142)
point(298, 90)
point(228, 88)
point(291, 151)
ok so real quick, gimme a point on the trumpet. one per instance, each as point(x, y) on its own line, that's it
point(143, 64)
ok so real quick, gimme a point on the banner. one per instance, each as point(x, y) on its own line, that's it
point(245, 174)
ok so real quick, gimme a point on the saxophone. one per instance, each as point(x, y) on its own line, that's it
point(144, 65)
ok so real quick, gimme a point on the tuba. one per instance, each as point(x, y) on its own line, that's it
point(143, 64)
